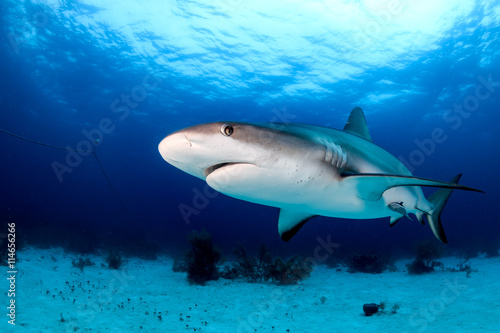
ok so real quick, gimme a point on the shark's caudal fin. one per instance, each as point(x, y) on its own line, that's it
point(438, 200)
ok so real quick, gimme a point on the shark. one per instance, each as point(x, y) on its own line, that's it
point(307, 171)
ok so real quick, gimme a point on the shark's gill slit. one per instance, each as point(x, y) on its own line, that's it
point(343, 158)
point(335, 155)
point(328, 154)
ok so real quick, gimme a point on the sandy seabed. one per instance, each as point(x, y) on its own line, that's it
point(147, 296)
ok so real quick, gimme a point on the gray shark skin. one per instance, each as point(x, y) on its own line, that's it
point(306, 171)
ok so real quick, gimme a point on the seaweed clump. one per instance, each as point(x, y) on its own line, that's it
point(202, 264)
point(203, 259)
point(82, 263)
point(424, 261)
point(463, 266)
point(266, 268)
point(367, 264)
point(114, 260)
point(420, 266)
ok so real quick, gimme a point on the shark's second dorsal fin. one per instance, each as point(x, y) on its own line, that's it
point(356, 124)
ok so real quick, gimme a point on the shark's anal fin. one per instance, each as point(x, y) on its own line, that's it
point(356, 124)
point(371, 186)
point(290, 222)
point(420, 217)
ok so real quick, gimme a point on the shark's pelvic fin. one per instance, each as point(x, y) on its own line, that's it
point(290, 222)
point(371, 186)
point(394, 219)
point(356, 124)
point(438, 200)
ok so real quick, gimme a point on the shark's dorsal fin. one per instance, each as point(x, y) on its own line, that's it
point(290, 222)
point(356, 124)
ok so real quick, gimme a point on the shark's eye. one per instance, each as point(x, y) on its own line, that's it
point(227, 129)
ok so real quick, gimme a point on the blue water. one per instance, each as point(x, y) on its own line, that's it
point(128, 74)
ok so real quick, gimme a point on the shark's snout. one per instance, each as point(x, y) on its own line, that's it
point(179, 150)
point(174, 147)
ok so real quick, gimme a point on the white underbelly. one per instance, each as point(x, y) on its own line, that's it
point(316, 192)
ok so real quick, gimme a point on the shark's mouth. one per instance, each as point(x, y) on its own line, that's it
point(215, 167)
point(211, 169)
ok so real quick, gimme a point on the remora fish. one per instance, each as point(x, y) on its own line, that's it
point(307, 171)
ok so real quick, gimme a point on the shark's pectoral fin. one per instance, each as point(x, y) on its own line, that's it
point(290, 222)
point(371, 186)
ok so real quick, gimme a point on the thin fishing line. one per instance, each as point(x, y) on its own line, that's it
point(93, 152)
point(109, 181)
point(44, 144)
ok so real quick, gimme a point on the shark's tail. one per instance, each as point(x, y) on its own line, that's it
point(438, 200)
